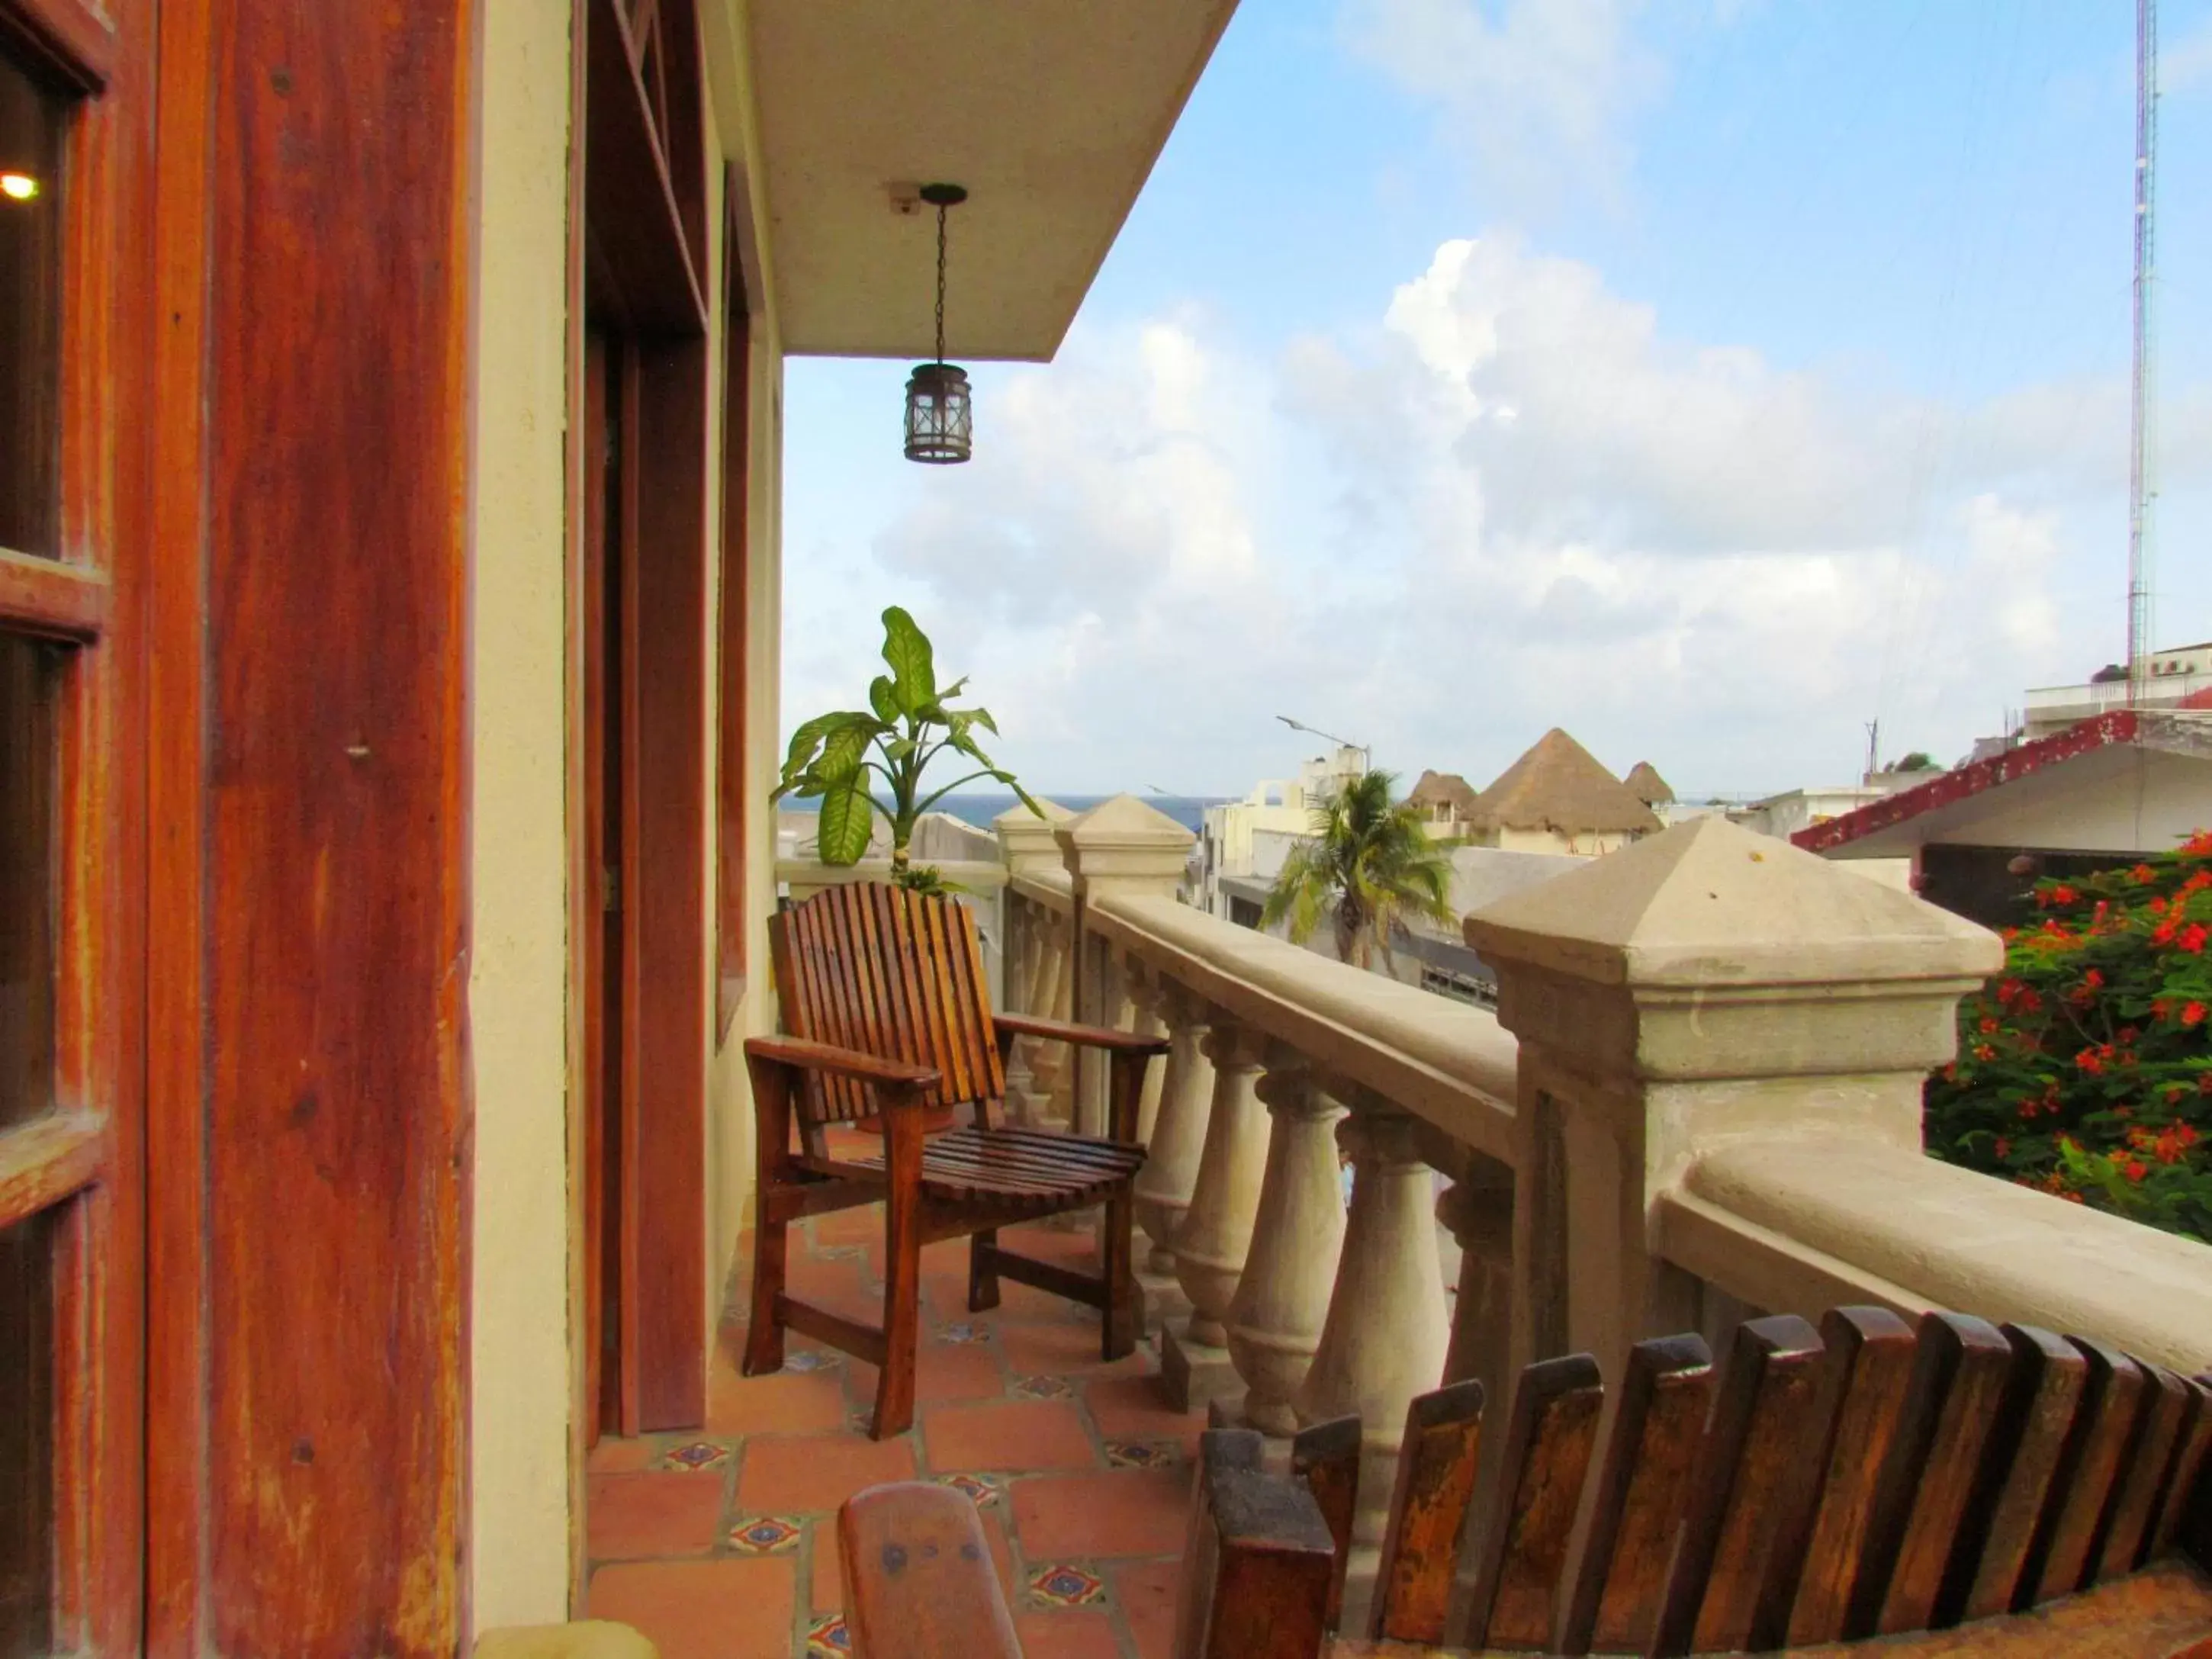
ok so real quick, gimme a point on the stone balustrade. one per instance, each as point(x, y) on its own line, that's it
point(1698, 1099)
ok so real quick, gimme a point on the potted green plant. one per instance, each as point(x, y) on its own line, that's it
point(862, 763)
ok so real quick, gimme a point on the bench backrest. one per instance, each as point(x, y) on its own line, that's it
point(1871, 1478)
point(895, 974)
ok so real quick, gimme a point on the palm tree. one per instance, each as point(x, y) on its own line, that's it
point(1372, 861)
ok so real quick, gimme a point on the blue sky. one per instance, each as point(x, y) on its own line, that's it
point(1708, 377)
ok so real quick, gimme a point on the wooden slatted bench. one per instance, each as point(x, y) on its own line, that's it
point(1951, 1488)
point(883, 993)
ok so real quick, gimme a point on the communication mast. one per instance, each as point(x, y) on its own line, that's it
point(2142, 447)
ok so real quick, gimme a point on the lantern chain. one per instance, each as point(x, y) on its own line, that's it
point(940, 281)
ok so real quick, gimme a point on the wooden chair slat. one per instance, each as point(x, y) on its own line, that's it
point(1816, 1552)
point(1636, 1509)
point(2143, 1474)
point(1745, 1466)
point(2191, 1472)
point(1539, 1487)
point(1437, 1465)
point(1325, 1457)
point(1260, 1559)
point(2014, 1485)
point(2081, 1492)
point(1958, 1385)
point(918, 1575)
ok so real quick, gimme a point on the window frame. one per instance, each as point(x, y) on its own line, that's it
point(80, 1163)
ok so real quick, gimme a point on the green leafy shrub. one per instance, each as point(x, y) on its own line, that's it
point(2086, 1069)
point(859, 762)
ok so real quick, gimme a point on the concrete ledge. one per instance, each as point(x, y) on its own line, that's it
point(1453, 1065)
point(974, 875)
point(1054, 889)
point(587, 1639)
point(1968, 1241)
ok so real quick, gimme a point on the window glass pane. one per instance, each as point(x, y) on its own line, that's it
point(27, 1438)
point(31, 123)
point(29, 672)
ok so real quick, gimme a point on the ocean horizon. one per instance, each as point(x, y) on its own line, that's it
point(1188, 811)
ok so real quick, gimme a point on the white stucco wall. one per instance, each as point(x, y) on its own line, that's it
point(520, 1492)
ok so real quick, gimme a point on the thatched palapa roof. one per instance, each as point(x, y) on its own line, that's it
point(1558, 785)
point(1644, 783)
point(1444, 789)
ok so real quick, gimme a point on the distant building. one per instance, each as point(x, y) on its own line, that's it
point(1557, 799)
point(1446, 801)
point(1224, 836)
point(2102, 792)
point(1644, 783)
point(2180, 678)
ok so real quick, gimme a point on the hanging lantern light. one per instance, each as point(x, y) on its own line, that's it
point(939, 420)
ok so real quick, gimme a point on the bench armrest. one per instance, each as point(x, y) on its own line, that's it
point(1086, 1036)
point(919, 1577)
point(806, 1055)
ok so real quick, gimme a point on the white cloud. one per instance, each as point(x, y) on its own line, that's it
point(1512, 502)
point(1541, 91)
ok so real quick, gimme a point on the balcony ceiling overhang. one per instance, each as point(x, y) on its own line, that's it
point(1050, 111)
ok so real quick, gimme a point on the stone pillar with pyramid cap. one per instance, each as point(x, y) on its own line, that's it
point(1706, 986)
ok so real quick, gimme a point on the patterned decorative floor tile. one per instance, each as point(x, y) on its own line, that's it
point(961, 1330)
point(1043, 1388)
point(983, 1489)
point(828, 1638)
point(1143, 1454)
point(698, 1455)
point(1064, 1584)
point(809, 1359)
point(766, 1534)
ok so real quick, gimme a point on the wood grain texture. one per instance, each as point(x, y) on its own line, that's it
point(918, 1578)
point(49, 1159)
point(1260, 1559)
point(1636, 1510)
point(732, 649)
point(2088, 1470)
point(1746, 1467)
point(2189, 1478)
point(645, 272)
point(336, 543)
point(665, 900)
point(2144, 1467)
point(1325, 1460)
point(57, 601)
point(1520, 1571)
point(2018, 1461)
point(1928, 1478)
point(74, 40)
point(1438, 1462)
point(1814, 1564)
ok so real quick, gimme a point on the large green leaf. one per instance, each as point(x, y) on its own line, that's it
point(841, 834)
point(906, 648)
point(882, 697)
point(844, 750)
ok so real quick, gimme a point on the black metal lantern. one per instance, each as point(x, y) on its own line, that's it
point(939, 420)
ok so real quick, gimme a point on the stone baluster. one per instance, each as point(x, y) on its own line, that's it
point(1216, 1231)
point(1140, 989)
point(1176, 1144)
point(1020, 980)
point(1052, 1080)
point(1027, 844)
point(1477, 1209)
point(1275, 1318)
point(1384, 1339)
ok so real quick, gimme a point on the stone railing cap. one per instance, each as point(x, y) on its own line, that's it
point(1709, 903)
point(1018, 817)
point(1124, 821)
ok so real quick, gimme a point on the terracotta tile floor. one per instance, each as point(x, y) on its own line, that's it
point(723, 1543)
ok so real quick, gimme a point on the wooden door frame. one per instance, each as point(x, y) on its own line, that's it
point(632, 268)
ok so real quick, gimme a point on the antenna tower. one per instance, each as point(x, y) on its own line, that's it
point(2143, 447)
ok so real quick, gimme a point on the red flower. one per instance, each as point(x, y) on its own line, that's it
point(2198, 845)
point(1989, 1025)
point(2063, 893)
point(2192, 1014)
point(1982, 1051)
point(2143, 873)
point(2090, 1061)
point(2001, 1147)
point(2134, 1168)
point(2193, 937)
point(2093, 979)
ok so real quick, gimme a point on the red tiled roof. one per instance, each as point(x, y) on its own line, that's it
point(2119, 726)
